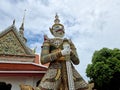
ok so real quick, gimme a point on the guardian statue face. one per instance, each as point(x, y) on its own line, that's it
point(58, 30)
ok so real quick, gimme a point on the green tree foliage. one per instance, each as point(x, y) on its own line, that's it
point(105, 64)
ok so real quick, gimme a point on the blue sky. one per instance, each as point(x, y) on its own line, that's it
point(91, 24)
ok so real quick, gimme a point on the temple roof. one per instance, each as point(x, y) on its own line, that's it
point(22, 69)
point(16, 58)
point(21, 66)
point(12, 43)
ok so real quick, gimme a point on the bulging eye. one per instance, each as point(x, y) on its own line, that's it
point(56, 27)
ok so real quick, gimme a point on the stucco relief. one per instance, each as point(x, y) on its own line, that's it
point(9, 44)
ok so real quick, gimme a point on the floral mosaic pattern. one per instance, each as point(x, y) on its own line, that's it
point(9, 44)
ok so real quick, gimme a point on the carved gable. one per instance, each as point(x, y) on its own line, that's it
point(9, 44)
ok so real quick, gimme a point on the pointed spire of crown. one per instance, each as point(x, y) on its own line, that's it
point(56, 21)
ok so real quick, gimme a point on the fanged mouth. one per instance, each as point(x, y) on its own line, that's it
point(60, 30)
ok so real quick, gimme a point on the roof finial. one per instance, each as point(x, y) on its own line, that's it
point(24, 16)
point(21, 29)
point(22, 25)
point(14, 22)
point(56, 21)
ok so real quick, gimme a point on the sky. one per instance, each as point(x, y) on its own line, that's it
point(90, 24)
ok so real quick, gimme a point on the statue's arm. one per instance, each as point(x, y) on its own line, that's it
point(74, 55)
point(46, 56)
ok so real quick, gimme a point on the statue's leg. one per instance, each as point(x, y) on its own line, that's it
point(50, 85)
point(51, 80)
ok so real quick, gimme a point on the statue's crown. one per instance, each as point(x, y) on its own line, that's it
point(57, 23)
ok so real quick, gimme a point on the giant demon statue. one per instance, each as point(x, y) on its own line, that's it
point(61, 54)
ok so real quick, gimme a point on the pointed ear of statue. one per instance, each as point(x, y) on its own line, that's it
point(51, 30)
point(46, 38)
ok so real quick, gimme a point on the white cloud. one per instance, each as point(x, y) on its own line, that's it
point(91, 24)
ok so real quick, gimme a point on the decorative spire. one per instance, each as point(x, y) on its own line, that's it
point(56, 21)
point(22, 25)
point(21, 29)
point(34, 50)
point(13, 22)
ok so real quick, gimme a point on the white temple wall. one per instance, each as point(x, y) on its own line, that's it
point(17, 80)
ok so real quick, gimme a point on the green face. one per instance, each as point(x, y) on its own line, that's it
point(58, 30)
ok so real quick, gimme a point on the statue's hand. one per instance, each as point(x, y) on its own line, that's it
point(65, 51)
